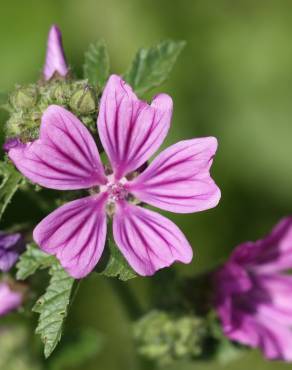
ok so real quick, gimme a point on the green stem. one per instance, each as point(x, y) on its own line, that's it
point(126, 296)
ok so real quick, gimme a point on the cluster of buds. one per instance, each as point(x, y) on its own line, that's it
point(165, 338)
point(26, 104)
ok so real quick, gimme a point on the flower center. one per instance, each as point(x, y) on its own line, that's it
point(116, 191)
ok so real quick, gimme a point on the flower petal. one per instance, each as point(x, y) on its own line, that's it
point(9, 299)
point(271, 254)
point(65, 156)
point(273, 339)
point(55, 58)
point(75, 233)
point(278, 289)
point(148, 240)
point(178, 180)
point(130, 129)
point(11, 246)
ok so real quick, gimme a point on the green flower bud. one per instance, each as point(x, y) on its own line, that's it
point(83, 101)
point(24, 98)
point(61, 93)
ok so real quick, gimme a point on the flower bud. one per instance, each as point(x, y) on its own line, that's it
point(24, 98)
point(55, 64)
point(83, 101)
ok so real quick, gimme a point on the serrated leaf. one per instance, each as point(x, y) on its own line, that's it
point(113, 264)
point(11, 181)
point(53, 308)
point(32, 260)
point(152, 66)
point(96, 65)
point(79, 349)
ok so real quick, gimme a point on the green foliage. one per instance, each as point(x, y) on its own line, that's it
point(32, 260)
point(96, 65)
point(86, 345)
point(3, 99)
point(53, 308)
point(113, 264)
point(15, 349)
point(152, 66)
point(11, 181)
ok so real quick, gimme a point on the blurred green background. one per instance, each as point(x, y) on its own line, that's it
point(233, 81)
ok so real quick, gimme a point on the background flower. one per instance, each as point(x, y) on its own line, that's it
point(10, 300)
point(253, 293)
point(11, 246)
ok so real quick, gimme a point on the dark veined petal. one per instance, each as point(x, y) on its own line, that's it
point(65, 156)
point(148, 240)
point(178, 179)
point(130, 129)
point(273, 339)
point(75, 233)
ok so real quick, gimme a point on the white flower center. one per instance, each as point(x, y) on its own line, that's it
point(115, 189)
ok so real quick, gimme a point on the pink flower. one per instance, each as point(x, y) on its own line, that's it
point(11, 246)
point(253, 295)
point(65, 157)
point(9, 300)
point(55, 58)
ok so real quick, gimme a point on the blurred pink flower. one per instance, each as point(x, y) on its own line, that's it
point(253, 294)
point(55, 58)
point(10, 300)
point(11, 246)
point(65, 157)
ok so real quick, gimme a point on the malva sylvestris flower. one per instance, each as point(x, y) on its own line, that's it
point(65, 157)
point(11, 246)
point(253, 293)
point(10, 300)
point(55, 63)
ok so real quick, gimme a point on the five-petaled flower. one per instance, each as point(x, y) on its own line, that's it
point(10, 299)
point(65, 157)
point(11, 246)
point(253, 295)
point(55, 58)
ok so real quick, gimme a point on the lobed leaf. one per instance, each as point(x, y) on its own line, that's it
point(96, 65)
point(11, 181)
point(53, 308)
point(152, 66)
point(32, 260)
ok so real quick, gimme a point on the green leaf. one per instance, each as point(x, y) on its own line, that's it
point(79, 349)
point(53, 308)
point(96, 66)
point(152, 66)
point(11, 181)
point(113, 264)
point(32, 260)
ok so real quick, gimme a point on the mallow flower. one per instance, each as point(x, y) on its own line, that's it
point(253, 293)
point(11, 246)
point(55, 63)
point(10, 299)
point(65, 157)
